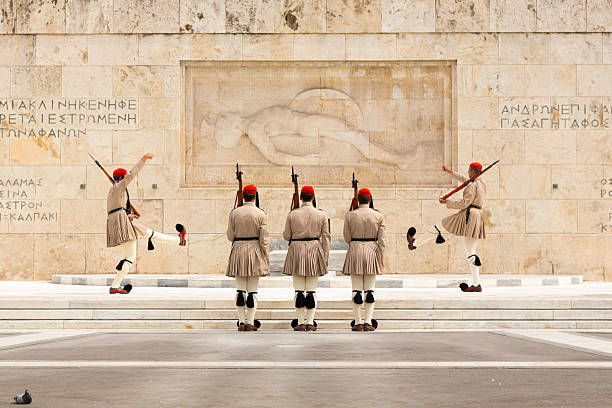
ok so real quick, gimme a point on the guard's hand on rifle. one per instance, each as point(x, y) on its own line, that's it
point(147, 156)
point(442, 200)
point(446, 169)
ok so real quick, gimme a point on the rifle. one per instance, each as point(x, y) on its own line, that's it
point(354, 201)
point(295, 201)
point(470, 180)
point(239, 201)
point(112, 180)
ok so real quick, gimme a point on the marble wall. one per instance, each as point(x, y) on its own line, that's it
point(532, 84)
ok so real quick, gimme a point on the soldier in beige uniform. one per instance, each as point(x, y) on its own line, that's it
point(364, 231)
point(122, 231)
point(247, 229)
point(467, 223)
point(307, 231)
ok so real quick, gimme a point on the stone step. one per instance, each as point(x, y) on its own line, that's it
point(117, 302)
point(230, 324)
point(328, 281)
point(288, 314)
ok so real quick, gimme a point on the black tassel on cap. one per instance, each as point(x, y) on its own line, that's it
point(369, 296)
point(300, 300)
point(310, 300)
point(150, 246)
point(314, 202)
point(257, 199)
point(240, 298)
point(371, 202)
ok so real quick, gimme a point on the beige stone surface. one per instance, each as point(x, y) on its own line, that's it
point(202, 16)
point(35, 81)
point(99, 258)
point(61, 182)
point(371, 47)
point(598, 15)
point(534, 254)
point(498, 80)
point(87, 82)
point(594, 80)
point(172, 147)
point(35, 151)
point(524, 48)
point(419, 16)
point(145, 80)
point(525, 182)
point(506, 145)
point(607, 48)
point(513, 15)
point(38, 16)
point(4, 151)
point(300, 16)
point(354, 16)
point(550, 80)
point(465, 81)
point(61, 50)
point(477, 113)
point(551, 216)
point(164, 49)
point(116, 49)
point(160, 113)
point(14, 265)
point(208, 253)
point(249, 16)
point(96, 142)
point(561, 15)
point(166, 258)
point(464, 146)
point(87, 16)
point(8, 19)
point(595, 216)
point(151, 16)
point(36, 216)
point(151, 216)
point(74, 212)
point(5, 82)
point(216, 47)
point(128, 147)
point(320, 47)
point(578, 181)
point(196, 215)
point(584, 253)
point(58, 253)
point(504, 216)
point(466, 48)
point(576, 48)
point(273, 47)
point(550, 146)
point(399, 214)
point(462, 16)
point(167, 178)
point(593, 147)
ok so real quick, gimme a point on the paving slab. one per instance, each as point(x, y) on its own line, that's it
point(255, 388)
point(599, 335)
point(290, 346)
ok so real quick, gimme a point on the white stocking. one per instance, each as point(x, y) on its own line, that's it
point(311, 286)
point(357, 284)
point(429, 235)
point(252, 283)
point(128, 249)
point(369, 281)
point(470, 249)
point(160, 237)
point(241, 285)
point(299, 284)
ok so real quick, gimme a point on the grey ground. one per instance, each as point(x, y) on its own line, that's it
point(73, 387)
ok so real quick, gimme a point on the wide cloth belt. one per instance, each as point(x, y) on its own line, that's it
point(246, 239)
point(364, 239)
point(303, 239)
point(117, 209)
point(467, 211)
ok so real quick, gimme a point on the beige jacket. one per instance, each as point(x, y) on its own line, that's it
point(248, 258)
point(473, 194)
point(119, 226)
point(307, 258)
point(364, 258)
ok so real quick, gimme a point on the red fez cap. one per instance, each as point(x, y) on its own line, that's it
point(364, 192)
point(308, 190)
point(119, 172)
point(476, 165)
point(250, 189)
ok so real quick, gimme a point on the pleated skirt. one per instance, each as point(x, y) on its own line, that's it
point(474, 228)
point(247, 259)
point(305, 258)
point(120, 229)
point(363, 258)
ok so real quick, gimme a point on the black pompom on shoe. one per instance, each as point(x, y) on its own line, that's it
point(410, 237)
point(128, 288)
point(463, 286)
point(182, 233)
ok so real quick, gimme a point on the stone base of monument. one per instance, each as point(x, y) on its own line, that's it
point(329, 281)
